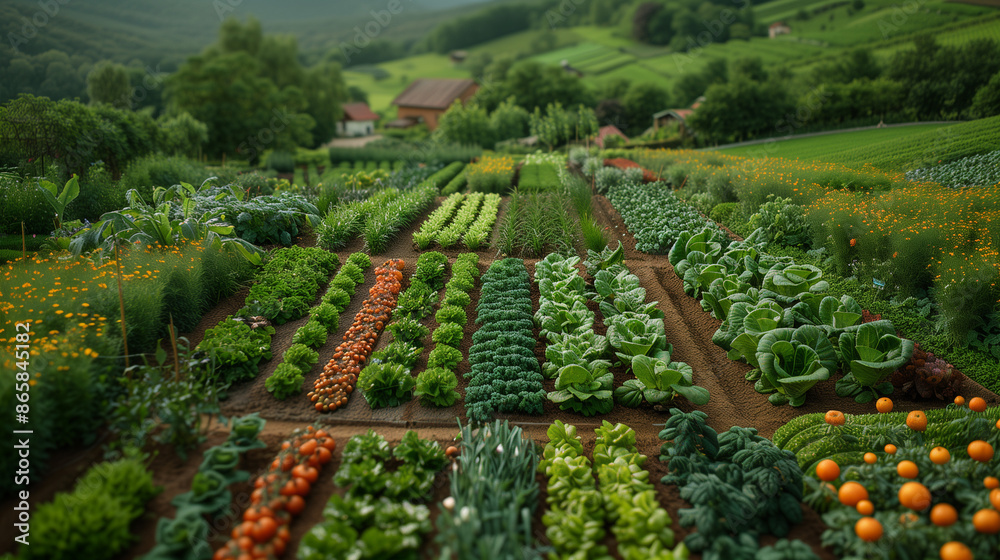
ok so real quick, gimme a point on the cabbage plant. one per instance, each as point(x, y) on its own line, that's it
point(792, 361)
point(869, 356)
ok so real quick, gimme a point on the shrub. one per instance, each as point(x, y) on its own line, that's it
point(146, 173)
point(444, 356)
point(22, 201)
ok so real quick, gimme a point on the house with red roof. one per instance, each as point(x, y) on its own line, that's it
point(427, 99)
point(608, 130)
point(358, 120)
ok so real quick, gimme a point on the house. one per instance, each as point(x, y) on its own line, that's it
point(606, 131)
point(458, 57)
point(427, 99)
point(359, 120)
point(670, 117)
point(569, 68)
point(778, 28)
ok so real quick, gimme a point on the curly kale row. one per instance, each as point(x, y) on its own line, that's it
point(505, 376)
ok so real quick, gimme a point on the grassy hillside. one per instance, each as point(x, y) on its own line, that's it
point(890, 149)
point(829, 29)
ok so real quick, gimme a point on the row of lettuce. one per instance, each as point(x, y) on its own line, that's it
point(776, 314)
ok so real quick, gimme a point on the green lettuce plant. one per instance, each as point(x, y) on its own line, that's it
point(792, 361)
point(658, 381)
point(786, 284)
point(869, 356)
point(582, 389)
point(634, 334)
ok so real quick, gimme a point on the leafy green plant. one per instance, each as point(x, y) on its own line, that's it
point(361, 260)
point(451, 314)
point(450, 334)
point(385, 385)
point(792, 361)
point(235, 349)
point(435, 386)
point(285, 381)
point(784, 221)
point(59, 200)
point(288, 283)
point(301, 356)
point(312, 334)
point(397, 352)
point(658, 380)
point(583, 390)
point(444, 356)
point(870, 355)
point(93, 520)
point(632, 334)
point(431, 268)
point(786, 285)
point(408, 330)
point(337, 297)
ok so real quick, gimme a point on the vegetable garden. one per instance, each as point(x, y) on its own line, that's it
point(583, 367)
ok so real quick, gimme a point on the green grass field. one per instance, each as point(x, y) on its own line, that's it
point(821, 148)
point(891, 149)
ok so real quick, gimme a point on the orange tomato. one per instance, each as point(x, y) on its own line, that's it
point(959, 400)
point(987, 521)
point(955, 550)
point(870, 458)
point(865, 507)
point(977, 404)
point(308, 447)
point(263, 529)
point(991, 482)
point(827, 470)
point(907, 469)
point(890, 449)
point(868, 529)
point(851, 493)
point(915, 496)
point(835, 418)
point(940, 455)
point(884, 405)
point(995, 498)
point(944, 515)
point(980, 450)
point(295, 505)
point(916, 421)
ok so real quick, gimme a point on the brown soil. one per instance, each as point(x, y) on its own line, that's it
point(688, 328)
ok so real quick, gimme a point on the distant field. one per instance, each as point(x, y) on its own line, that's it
point(822, 148)
point(889, 149)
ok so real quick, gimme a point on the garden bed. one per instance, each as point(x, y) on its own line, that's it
point(689, 328)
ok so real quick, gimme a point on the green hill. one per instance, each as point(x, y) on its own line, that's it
point(821, 32)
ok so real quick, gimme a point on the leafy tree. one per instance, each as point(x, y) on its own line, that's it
point(466, 124)
point(535, 85)
point(610, 111)
point(986, 103)
point(692, 85)
point(740, 110)
point(644, 14)
point(641, 101)
point(750, 67)
point(183, 134)
point(109, 83)
point(324, 90)
point(509, 120)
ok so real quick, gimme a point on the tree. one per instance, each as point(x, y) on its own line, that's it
point(750, 67)
point(109, 83)
point(641, 101)
point(693, 85)
point(466, 124)
point(535, 85)
point(740, 110)
point(183, 134)
point(986, 103)
point(324, 90)
point(644, 13)
point(509, 120)
point(611, 111)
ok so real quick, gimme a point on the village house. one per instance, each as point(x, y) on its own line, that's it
point(427, 99)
